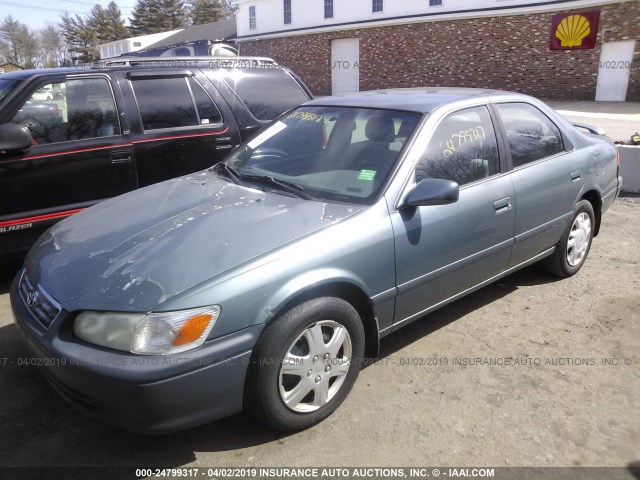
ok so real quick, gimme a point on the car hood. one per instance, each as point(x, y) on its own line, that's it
point(134, 252)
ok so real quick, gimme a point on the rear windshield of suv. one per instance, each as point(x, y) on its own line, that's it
point(6, 86)
point(266, 93)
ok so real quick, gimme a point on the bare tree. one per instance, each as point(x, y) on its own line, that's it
point(52, 46)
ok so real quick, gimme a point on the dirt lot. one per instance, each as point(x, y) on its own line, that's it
point(561, 405)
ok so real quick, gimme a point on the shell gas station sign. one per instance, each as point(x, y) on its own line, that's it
point(573, 31)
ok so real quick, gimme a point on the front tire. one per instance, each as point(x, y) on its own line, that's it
point(305, 364)
point(573, 248)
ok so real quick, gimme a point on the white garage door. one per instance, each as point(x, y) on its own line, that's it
point(614, 71)
point(345, 66)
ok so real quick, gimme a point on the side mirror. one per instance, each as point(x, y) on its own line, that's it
point(14, 137)
point(433, 191)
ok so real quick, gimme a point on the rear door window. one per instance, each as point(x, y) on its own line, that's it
point(530, 133)
point(165, 103)
point(173, 102)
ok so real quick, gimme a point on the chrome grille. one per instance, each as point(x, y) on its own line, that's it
point(42, 307)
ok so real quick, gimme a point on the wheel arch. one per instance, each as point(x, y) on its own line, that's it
point(594, 197)
point(330, 284)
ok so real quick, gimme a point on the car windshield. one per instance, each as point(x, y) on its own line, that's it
point(6, 86)
point(337, 154)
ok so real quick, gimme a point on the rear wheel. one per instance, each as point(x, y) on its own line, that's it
point(305, 364)
point(573, 248)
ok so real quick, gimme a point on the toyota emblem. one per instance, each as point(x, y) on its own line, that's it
point(32, 299)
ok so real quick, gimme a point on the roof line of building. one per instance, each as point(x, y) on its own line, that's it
point(419, 16)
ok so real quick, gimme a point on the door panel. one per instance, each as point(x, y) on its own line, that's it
point(443, 250)
point(546, 179)
point(545, 196)
point(78, 156)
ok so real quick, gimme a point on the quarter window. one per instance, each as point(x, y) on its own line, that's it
point(287, 11)
point(377, 6)
point(173, 103)
point(207, 110)
point(530, 133)
point(268, 95)
point(252, 17)
point(70, 110)
point(328, 8)
point(463, 148)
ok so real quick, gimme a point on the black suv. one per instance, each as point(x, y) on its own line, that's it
point(123, 125)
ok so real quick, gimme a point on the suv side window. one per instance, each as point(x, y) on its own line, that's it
point(207, 110)
point(171, 103)
point(463, 148)
point(75, 109)
point(531, 135)
point(268, 94)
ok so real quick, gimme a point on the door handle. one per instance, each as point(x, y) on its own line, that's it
point(223, 143)
point(575, 176)
point(503, 205)
point(121, 156)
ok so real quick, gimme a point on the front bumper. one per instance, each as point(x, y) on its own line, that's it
point(146, 394)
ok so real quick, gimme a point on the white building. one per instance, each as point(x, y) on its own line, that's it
point(341, 46)
point(273, 18)
point(118, 47)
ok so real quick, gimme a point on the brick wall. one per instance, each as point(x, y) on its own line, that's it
point(504, 52)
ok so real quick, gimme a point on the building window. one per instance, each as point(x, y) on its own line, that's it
point(377, 6)
point(435, 3)
point(328, 8)
point(287, 11)
point(252, 17)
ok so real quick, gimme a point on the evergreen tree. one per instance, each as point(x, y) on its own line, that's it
point(207, 11)
point(107, 23)
point(80, 37)
point(155, 16)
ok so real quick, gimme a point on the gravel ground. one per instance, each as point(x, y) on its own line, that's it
point(567, 399)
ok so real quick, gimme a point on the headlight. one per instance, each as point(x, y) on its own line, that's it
point(163, 333)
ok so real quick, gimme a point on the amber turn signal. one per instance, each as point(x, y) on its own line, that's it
point(192, 330)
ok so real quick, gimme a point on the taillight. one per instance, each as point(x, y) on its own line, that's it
point(54, 109)
point(617, 157)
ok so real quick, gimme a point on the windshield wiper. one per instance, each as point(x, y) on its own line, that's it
point(283, 185)
point(230, 172)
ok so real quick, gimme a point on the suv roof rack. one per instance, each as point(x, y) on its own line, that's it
point(200, 61)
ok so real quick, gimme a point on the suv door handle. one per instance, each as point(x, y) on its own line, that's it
point(223, 143)
point(121, 156)
point(502, 206)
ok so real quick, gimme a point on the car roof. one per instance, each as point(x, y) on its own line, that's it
point(422, 100)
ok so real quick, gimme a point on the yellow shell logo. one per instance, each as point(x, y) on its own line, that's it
point(572, 30)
